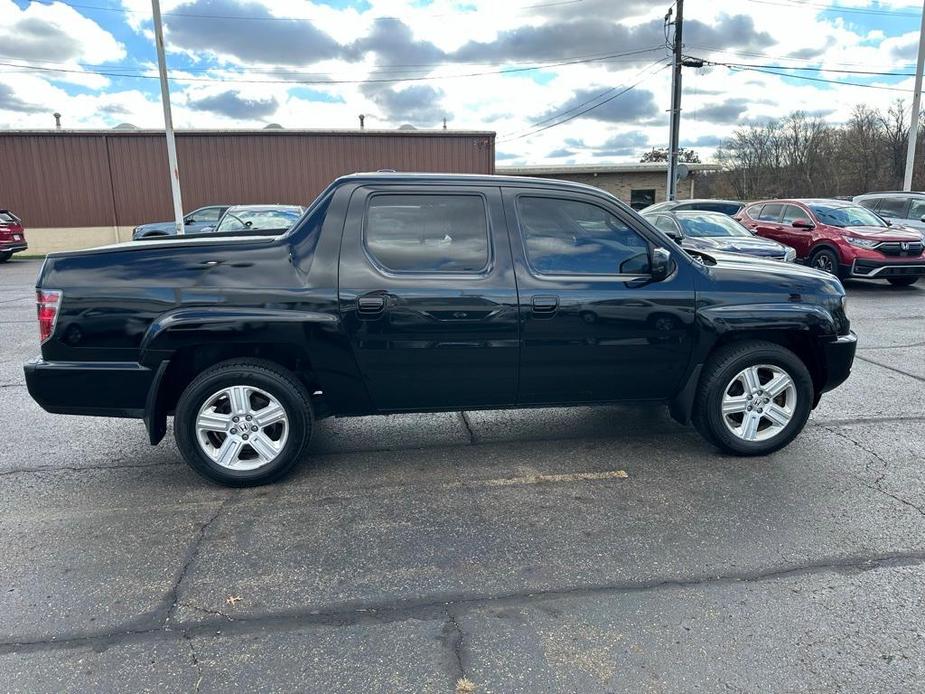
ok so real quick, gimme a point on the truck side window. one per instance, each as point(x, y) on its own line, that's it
point(427, 232)
point(570, 237)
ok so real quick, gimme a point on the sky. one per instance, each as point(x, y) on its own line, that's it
point(559, 81)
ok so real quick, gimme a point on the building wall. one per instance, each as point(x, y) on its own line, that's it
point(60, 180)
point(621, 185)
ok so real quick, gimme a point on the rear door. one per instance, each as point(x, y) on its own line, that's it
point(768, 222)
point(594, 327)
point(427, 296)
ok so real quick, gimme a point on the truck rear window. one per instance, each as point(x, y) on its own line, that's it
point(427, 232)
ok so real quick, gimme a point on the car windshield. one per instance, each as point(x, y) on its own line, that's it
point(847, 216)
point(239, 220)
point(703, 224)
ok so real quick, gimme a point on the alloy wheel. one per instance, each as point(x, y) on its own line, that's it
point(242, 427)
point(759, 402)
point(823, 262)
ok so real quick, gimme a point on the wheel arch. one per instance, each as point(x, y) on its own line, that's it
point(183, 343)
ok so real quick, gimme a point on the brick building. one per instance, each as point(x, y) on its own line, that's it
point(637, 185)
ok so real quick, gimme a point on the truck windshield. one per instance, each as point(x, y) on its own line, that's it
point(847, 216)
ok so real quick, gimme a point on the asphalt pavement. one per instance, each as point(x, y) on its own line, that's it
point(560, 550)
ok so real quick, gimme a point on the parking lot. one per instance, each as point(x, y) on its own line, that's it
point(582, 550)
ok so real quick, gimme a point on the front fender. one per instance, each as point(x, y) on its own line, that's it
point(804, 317)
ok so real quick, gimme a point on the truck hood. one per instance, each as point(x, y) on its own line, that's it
point(885, 234)
point(748, 245)
point(770, 269)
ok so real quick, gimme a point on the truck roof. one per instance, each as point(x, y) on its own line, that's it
point(468, 179)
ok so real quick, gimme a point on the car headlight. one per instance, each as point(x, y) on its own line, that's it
point(790, 255)
point(861, 243)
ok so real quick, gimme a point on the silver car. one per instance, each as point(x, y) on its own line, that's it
point(261, 218)
point(901, 208)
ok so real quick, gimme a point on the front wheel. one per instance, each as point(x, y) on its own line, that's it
point(243, 422)
point(826, 260)
point(5, 255)
point(754, 398)
point(902, 281)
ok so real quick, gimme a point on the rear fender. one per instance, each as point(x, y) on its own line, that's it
point(188, 328)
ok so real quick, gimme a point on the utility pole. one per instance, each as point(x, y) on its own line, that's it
point(916, 99)
point(168, 118)
point(676, 65)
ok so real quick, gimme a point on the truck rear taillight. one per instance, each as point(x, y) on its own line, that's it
point(47, 301)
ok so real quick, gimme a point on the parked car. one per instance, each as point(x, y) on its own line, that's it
point(257, 218)
point(432, 292)
point(715, 231)
point(727, 207)
point(12, 235)
point(904, 208)
point(194, 222)
point(840, 237)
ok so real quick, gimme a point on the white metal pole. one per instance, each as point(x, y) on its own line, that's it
point(916, 99)
point(168, 119)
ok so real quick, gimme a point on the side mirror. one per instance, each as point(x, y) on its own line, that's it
point(802, 224)
point(661, 264)
point(206, 229)
point(675, 236)
point(189, 220)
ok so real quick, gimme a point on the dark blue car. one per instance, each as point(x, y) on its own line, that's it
point(715, 231)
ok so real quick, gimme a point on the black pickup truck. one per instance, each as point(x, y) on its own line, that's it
point(426, 292)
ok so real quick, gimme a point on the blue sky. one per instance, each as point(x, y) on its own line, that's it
point(579, 81)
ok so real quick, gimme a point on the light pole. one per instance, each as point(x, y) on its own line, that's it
point(168, 119)
point(916, 99)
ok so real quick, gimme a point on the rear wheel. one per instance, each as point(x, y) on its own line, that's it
point(902, 281)
point(753, 399)
point(826, 260)
point(243, 422)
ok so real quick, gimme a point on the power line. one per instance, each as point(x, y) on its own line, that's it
point(504, 71)
point(755, 54)
point(836, 8)
point(511, 138)
point(122, 10)
point(275, 70)
point(807, 78)
point(817, 68)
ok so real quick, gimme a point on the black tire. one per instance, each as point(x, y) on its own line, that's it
point(720, 371)
point(6, 255)
point(825, 259)
point(269, 377)
point(902, 281)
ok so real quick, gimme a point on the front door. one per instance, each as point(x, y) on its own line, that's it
point(594, 327)
point(427, 296)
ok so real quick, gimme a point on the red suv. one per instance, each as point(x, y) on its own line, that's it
point(12, 236)
point(840, 237)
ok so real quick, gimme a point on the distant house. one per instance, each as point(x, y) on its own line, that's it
point(638, 185)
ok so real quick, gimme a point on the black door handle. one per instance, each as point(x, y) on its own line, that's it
point(370, 305)
point(545, 304)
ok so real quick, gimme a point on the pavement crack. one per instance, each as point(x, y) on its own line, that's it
point(877, 484)
point(464, 418)
point(889, 368)
point(80, 468)
point(444, 607)
point(171, 600)
point(453, 637)
point(194, 656)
